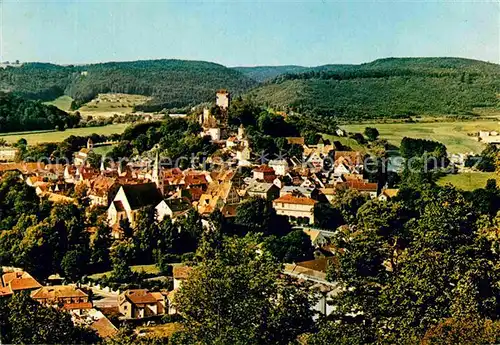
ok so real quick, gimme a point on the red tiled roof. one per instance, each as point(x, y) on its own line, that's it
point(20, 281)
point(83, 305)
point(290, 199)
point(140, 296)
point(363, 186)
point(5, 291)
point(24, 284)
point(195, 180)
point(295, 140)
point(354, 157)
point(264, 168)
point(57, 291)
point(104, 327)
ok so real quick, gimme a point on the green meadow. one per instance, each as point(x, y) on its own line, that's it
point(454, 134)
point(34, 138)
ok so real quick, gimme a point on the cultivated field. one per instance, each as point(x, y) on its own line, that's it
point(454, 134)
point(469, 180)
point(34, 138)
point(109, 104)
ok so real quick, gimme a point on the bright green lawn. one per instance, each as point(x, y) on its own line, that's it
point(63, 102)
point(58, 136)
point(103, 150)
point(452, 134)
point(469, 181)
point(353, 144)
point(150, 269)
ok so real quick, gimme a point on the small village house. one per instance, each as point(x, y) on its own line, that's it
point(63, 296)
point(140, 304)
point(280, 166)
point(172, 208)
point(298, 209)
point(268, 191)
point(13, 282)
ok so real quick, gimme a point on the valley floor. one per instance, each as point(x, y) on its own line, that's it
point(456, 135)
point(37, 137)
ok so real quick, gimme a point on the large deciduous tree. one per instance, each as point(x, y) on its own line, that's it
point(236, 295)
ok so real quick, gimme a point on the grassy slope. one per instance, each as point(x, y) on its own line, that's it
point(453, 134)
point(150, 269)
point(468, 181)
point(63, 103)
point(107, 105)
point(34, 138)
point(353, 144)
point(103, 150)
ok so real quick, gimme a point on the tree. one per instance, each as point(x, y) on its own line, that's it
point(294, 247)
point(94, 160)
point(327, 217)
point(371, 133)
point(215, 299)
point(470, 330)
point(74, 264)
point(141, 143)
point(99, 249)
point(121, 258)
point(146, 234)
point(258, 215)
point(29, 322)
point(347, 202)
point(311, 138)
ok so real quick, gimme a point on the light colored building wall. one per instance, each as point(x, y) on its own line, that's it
point(295, 210)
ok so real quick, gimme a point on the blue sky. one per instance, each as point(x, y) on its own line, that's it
point(247, 33)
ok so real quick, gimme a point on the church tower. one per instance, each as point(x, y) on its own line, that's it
point(157, 174)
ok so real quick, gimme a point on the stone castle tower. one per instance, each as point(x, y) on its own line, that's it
point(223, 99)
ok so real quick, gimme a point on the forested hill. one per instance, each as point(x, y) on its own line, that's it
point(17, 114)
point(265, 73)
point(393, 87)
point(171, 83)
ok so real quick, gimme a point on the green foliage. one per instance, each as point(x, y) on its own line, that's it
point(371, 133)
point(16, 198)
point(171, 83)
point(327, 217)
point(417, 147)
point(265, 73)
point(257, 215)
point(488, 159)
point(25, 321)
point(216, 299)
point(387, 88)
point(73, 264)
point(293, 247)
point(43, 238)
point(122, 254)
point(347, 202)
point(18, 114)
point(418, 268)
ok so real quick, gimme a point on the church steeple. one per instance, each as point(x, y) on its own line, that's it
point(157, 173)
